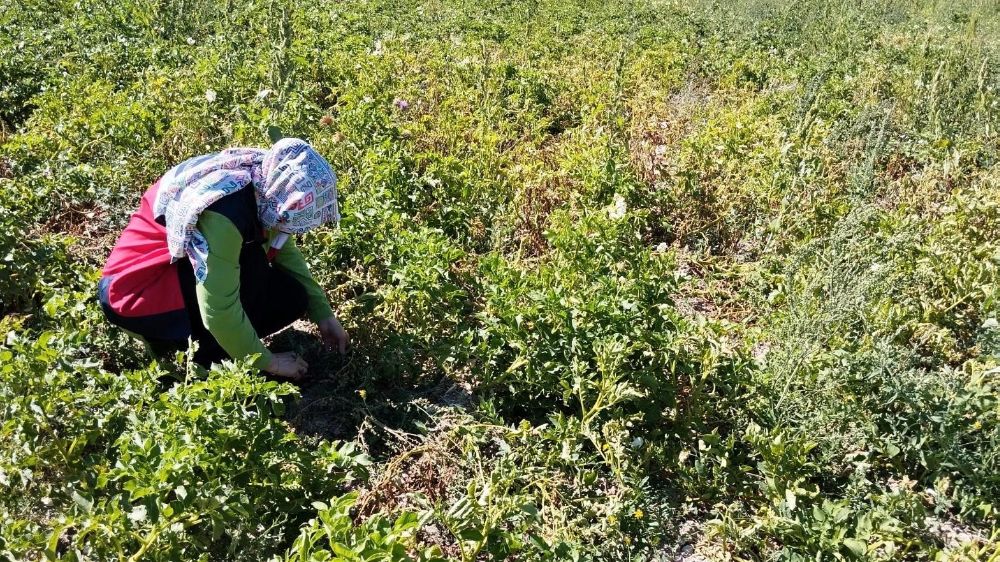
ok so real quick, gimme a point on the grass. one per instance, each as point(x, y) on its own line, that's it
point(625, 280)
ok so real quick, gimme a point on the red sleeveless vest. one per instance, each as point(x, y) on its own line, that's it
point(139, 278)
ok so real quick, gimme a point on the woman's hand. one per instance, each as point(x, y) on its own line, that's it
point(287, 365)
point(334, 335)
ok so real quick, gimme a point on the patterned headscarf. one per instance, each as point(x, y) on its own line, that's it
point(295, 186)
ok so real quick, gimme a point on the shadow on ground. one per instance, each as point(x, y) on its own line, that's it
point(350, 398)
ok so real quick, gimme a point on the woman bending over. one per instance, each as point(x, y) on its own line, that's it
point(209, 256)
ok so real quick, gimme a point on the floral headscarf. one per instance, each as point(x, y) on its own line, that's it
point(295, 186)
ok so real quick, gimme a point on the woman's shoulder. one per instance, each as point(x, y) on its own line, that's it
point(240, 207)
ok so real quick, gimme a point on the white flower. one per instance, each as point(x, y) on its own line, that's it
point(618, 207)
point(138, 514)
point(263, 93)
point(210, 95)
point(760, 351)
point(637, 442)
point(190, 40)
point(661, 248)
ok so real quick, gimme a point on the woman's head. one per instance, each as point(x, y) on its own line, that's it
point(295, 187)
point(297, 190)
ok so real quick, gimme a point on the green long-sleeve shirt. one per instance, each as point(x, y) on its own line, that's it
point(219, 294)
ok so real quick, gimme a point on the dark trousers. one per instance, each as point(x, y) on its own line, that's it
point(272, 299)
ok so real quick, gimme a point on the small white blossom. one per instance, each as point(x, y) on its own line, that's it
point(138, 514)
point(190, 40)
point(210, 95)
point(618, 207)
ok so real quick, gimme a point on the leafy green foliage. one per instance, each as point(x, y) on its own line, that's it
point(202, 468)
point(332, 535)
point(624, 279)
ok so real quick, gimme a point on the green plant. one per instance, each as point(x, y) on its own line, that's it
point(624, 279)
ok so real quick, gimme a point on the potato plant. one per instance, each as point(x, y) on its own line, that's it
point(626, 280)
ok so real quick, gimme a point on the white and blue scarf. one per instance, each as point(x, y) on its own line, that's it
point(296, 191)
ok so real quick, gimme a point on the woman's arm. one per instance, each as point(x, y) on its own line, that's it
point(219, 294)
point(290, 259)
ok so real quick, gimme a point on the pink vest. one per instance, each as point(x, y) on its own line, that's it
point(142, 281)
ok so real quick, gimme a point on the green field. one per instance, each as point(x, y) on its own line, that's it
point(625, 280)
